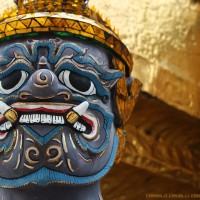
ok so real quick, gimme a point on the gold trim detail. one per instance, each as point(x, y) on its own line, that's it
point(21, 141)
point(11, 115)
point(60, 163)
point(39, 79)
point(40, 86)
point(85, 159)
point(121, 145)
point(18, 162)
point(72, 117)
point(57, 140)
point(126, 96)
point(28, 166)
point(64, 143)
point(70, 165)
point(30, 140)
point(17, 138)
point(14, 141)
point(72, 142)
point(7, 160)
point(57, 157)
point(36, 154)
point(66, 94)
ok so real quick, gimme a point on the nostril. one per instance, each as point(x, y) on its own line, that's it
point(66, 94)
point(24, 95)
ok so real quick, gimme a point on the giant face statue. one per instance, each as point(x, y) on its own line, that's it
point(57, 114)
point(63, 103)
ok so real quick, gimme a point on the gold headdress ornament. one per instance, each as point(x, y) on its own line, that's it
point(66, 16)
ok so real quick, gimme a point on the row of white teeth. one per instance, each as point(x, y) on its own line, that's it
point(5, 126)
point(41, 118)
point(48, 119)
point(80, 127)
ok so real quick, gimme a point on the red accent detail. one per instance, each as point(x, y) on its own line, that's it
point(88, 121)
point(2, 119)
point(1, 134)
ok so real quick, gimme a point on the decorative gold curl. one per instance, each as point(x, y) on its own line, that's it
point(36, 154)
point(57, 157)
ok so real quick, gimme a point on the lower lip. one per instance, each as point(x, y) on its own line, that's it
point(2, 135)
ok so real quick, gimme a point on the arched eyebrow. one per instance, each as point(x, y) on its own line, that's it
point(17, 64)
point(16, 60)
point(88, 64)
point(55, 53)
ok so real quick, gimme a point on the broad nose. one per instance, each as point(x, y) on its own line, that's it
point(44, 84)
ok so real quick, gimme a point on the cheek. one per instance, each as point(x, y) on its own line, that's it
point(103, 121)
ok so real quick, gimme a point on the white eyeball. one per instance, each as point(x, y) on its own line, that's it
point(77, 83)
point(13, 81)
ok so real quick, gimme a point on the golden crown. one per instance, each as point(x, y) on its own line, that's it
point(63, 16)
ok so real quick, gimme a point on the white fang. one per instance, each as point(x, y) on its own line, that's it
point(81, 109)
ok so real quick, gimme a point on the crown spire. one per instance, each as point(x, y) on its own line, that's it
point(31, 6)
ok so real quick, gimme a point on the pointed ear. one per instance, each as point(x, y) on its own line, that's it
point(109, 84)
point(111, 79)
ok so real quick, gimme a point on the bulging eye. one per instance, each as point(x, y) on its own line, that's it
point(77, 83)
point(13, 81)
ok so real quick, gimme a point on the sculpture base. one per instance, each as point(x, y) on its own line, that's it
point(85, 192)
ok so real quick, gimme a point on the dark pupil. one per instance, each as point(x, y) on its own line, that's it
point(11, 80)
point(79, 82)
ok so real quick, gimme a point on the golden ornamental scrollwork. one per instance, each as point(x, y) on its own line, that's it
point(36, 155)
point(58, 153)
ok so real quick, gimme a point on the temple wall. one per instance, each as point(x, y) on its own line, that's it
point(164, 37)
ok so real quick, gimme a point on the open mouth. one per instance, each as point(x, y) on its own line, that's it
point(74, 116)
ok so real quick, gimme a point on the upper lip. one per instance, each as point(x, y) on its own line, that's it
point(46, 107)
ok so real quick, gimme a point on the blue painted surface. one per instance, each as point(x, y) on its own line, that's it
point(45, 138)
point(5, 146)
point(44, 176)
point(108, 120)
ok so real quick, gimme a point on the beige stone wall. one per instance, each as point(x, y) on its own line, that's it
point(6, 5)
point(164, 37)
